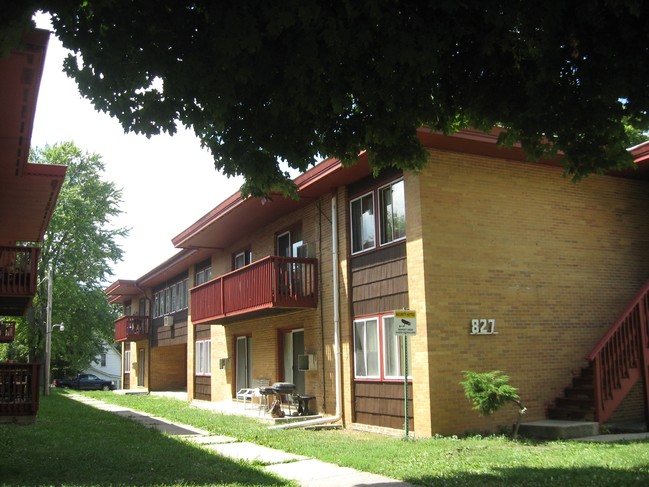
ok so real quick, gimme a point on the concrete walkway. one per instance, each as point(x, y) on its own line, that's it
point(303, 470)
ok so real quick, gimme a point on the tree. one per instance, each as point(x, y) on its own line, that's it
point(79, 246)
point(263, 82)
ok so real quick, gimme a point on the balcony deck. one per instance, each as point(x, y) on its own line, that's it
point(19, 392)
point(18, 274)
point(269, 286)
point(132, 328)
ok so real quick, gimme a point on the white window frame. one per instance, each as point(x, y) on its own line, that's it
point(381, 209)
point(203, 357)
point(127, 361)
point(363, 353)
point(245, 256)
point(359, 200)
point(393, 346)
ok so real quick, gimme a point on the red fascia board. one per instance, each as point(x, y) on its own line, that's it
point(640, 153)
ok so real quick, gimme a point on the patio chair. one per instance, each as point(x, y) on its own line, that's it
point(245, 395)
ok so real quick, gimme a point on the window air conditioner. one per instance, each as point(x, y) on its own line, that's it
point(307, 362)
point(168, 320)
point(305, 251)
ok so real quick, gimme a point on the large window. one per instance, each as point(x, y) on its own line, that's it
point(378, 351)
point(388, 206)
point(203, 357)
point(171, 299)
point(366, 348)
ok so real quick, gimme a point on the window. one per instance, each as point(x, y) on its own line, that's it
point(362, 220)
point(171, 299)
point(366, 348)
point(102, 360)
point(203, 357)
point(392, 211)
point(127, 361)
point(241, 259)
point(393, 363)
point(378, 353)
point(203, 276)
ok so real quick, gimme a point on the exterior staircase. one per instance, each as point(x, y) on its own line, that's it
point(615, 365)
point(578, 400)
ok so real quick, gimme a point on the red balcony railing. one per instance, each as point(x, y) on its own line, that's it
point(18, 391)
point(621, 355)
point(7, 331)
point(272, 283)
point(132, 328)
point(18, 266)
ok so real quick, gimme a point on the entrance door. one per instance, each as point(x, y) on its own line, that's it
point(293, 346)
point(243, 359)
point(141, 367)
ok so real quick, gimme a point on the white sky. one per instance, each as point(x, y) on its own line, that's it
point(167, 182)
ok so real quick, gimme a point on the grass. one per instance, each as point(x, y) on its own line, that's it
point(107, 449)
point(74, 444)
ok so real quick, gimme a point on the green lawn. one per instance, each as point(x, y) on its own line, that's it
point(101, 448)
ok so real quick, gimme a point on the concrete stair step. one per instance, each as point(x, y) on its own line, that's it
point(552, 429)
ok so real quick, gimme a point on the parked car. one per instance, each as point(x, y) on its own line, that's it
point(86, 382)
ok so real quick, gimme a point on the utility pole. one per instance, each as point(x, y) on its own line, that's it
point(48, 333)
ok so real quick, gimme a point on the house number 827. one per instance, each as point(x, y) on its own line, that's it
point(483, 327)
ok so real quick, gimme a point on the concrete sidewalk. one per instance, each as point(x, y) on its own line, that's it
point(303, 470)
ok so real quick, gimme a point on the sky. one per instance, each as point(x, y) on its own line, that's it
point(167, 182)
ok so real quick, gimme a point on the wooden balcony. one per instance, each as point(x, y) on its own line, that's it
point(18, 266)
point(7, 331)
point(19, 392)
point(269, 286)
point(132, 328)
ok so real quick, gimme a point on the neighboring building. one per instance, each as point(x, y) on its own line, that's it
point(28, 194)
point(508, 266)
point(107, 365)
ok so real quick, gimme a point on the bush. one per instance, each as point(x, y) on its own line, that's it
point(489, 391)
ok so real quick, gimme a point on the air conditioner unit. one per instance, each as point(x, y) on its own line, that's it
point(305, 251)
point(168, 320)
point(223, 363)
point(307, 362)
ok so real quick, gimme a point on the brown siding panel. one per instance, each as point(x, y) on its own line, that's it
point(381, 404)
point(380, 280)
point(202, 388)
point(202, 332)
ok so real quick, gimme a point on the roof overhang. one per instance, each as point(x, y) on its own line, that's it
point(237, 217)
point(28, 192)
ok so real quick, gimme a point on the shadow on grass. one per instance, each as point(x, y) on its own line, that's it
point(75, 444)
point(524, 476)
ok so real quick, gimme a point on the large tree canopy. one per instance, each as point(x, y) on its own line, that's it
point(295, 80)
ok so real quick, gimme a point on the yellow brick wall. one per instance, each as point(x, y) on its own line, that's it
point(552, 262)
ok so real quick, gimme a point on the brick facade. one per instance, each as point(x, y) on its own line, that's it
point(553, 262)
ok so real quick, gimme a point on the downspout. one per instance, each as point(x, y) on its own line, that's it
point(336, 317)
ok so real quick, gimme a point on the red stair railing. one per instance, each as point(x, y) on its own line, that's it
point(621, 356)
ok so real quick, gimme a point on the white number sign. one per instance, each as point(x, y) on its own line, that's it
point(483, 327)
